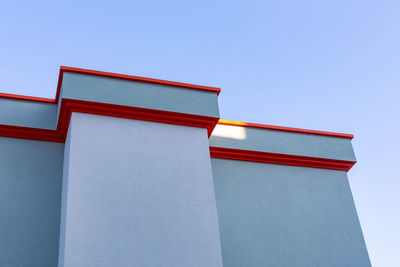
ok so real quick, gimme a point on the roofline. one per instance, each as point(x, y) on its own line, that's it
point(167, 83)
point(136, 79)
point(285, 129)
point(107, 75)
point(27, 98)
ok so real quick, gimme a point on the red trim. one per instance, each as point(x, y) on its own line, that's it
point(29, 133)
point(27, 98)
point(59, 83)
point(136, 79)
point(285, 129)
point(70, 105)
point(284, 159)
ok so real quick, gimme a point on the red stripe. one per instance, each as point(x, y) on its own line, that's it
point(59, 83)
point(284, 159)
point(70, 105)
point(285, 129)
point(27, 98)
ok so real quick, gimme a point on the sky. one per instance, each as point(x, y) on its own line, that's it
point(324, 65)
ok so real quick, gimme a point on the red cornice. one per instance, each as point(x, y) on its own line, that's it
point(284, 159)
point(27, 98)
point(285, 129)
point(70, 105)
point(30, 133)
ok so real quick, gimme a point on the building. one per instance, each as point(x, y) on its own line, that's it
point(120, 170)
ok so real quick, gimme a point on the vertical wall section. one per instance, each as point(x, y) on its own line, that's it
point(284, 199)
point(30, 198)
point(137, 194)
point(115, 171)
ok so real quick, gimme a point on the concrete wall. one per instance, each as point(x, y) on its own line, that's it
point(139, 94)
point(30, 199)
point(277, 215)
point(28, 114)
point(138, 194)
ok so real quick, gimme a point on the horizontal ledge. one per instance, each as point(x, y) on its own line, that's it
point(284, 129)
point(30, 133)
point(283, 159)
point(28, 98)
point(71, 105)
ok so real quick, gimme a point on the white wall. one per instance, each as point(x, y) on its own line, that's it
point(138, 194)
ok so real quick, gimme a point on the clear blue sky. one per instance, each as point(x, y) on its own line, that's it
point(325, 65)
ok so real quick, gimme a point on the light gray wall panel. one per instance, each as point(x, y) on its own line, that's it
point(276, 215)
point(139, 94)
point(28, 113)
point(139, 194)
point(282, 142)
point(30, 199)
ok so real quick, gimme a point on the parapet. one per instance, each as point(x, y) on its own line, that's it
point(282, 145)
point(109, 94)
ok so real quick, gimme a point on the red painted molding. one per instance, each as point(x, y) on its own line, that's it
point(27, 98)
point(70, 105)
point(284, 159)
point(285, 129)
point(30, 133)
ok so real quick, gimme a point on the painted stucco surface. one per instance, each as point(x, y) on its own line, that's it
point(63, 204)
point(28, 113)
point(282, 142)
point(30, 199)
point(277, 215)
point(138, 194)
point(124, 192)
point(139, 94)
point(17, 112)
